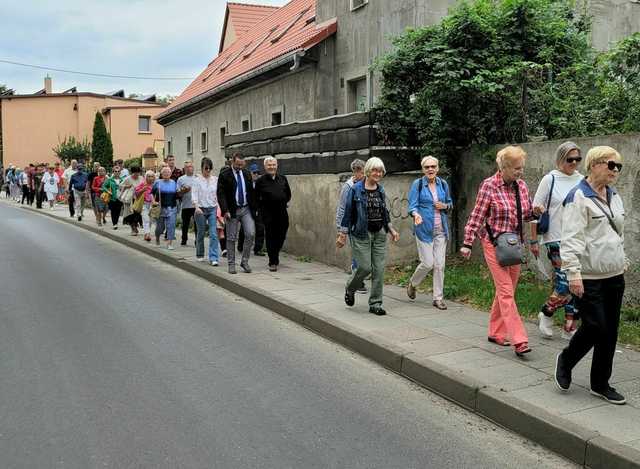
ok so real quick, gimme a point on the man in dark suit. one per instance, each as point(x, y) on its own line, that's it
point(237, 205)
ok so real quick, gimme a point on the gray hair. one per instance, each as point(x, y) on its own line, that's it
point(269, 158)
point(149, 173)
point(563, 151)
point(356, 165)
point(374, 163)
point(429, 158)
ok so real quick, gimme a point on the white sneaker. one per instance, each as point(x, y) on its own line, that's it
point(170, 247)
point(545, 325)
point(200, 259)
point(214, 263)
point(568, 335)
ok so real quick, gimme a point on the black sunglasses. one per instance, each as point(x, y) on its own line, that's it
point(577, 159)
point(613, 165)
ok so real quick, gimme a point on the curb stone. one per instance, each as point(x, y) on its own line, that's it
point(578, 444)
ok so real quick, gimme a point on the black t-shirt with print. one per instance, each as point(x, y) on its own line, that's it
point(375, 207)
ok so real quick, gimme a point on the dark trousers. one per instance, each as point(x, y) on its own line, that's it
point(115, 207)
point(71, 202)
point(276, 225)
point(25, 194)
point(186, 215)
point(600, 313)
point(258, 242)
point(39, 198)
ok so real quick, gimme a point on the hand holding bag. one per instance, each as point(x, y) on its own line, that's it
point(509, 246)
point(543, 222)
point(106, 197)
point(154, 212)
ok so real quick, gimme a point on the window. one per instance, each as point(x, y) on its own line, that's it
point(169, 149)
point(355, 4)
point(246, 123)
point(276, 118)
point(144, 124)
point(189, 145)
point(357, 95)
point(204, 137)
point(223, 132)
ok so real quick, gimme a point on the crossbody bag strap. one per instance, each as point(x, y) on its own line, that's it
point(606, 214)
point(553, 182)
point(519, 210)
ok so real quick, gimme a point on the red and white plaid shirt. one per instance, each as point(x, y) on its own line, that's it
point(496, 205)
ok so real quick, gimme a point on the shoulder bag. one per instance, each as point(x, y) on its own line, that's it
point(509, 246)
point(543, 222)
point(154, 211)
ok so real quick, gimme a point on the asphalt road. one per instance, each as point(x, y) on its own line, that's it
point(109, 358)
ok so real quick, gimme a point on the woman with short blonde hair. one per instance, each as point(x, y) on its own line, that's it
point(502, 206)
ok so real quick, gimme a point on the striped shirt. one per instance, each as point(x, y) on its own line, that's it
point(496, 205)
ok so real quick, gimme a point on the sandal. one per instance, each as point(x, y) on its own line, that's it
point(497, 341)
point(521, 349)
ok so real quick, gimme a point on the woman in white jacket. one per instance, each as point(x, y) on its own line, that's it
point(552, 190)
point(592, 252)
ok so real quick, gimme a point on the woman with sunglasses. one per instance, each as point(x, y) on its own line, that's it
point(593, 257)
point(429, 201)
point(552, 190)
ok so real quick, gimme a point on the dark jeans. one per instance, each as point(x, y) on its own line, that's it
point(39, 198)
point(71, 202)
point(276, 225)
point(186, 215)
point(25, 194)
point(600, 312)
point(115, 207)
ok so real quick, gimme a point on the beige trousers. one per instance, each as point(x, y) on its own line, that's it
point(432, 256)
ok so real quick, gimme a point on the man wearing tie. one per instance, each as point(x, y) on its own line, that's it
point(237, 205)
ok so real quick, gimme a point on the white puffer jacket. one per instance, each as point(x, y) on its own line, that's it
point(590, 248)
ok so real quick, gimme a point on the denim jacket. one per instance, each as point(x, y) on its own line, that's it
point(354, 220)
point(423, 204)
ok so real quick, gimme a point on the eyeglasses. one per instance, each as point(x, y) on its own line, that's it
point(577, 159)
point(611, 165)
point(430, 166)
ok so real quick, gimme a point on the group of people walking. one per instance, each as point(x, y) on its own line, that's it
point(37, 183)
point(579, 219)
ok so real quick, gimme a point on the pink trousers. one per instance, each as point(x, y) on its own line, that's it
point(505, 321)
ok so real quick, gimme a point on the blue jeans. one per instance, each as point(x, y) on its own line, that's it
point(167, 219)
point(208, 215)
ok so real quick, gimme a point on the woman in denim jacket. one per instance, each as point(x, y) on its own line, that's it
point(366, 220)
point(429, 200)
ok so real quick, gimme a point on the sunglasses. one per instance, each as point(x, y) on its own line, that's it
point(577, 159)
point(611, 165)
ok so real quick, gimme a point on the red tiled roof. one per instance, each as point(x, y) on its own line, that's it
point(288, 29)
point(243, 16)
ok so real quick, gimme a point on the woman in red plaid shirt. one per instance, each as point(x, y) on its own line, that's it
point(496, 207)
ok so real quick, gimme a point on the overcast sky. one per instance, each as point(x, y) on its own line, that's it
point(158, 38)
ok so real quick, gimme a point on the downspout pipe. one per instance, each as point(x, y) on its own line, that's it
point(297, 59)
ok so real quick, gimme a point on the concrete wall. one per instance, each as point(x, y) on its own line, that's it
point(295, 92)
point(613, 20)
point(312, 230)
point(474, 168)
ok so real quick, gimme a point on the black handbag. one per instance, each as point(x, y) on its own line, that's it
point(544, 221)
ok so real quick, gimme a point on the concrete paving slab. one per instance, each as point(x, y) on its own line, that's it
point(407, 311)
point(461, 331)
point(434, 345)
point(549, 397)
point(631, 391)
point(403, 333)
point(520, 376)
point(436, 320)
point(468, 359)
point(621, 423)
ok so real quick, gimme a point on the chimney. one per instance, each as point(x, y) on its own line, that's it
point(47, 84)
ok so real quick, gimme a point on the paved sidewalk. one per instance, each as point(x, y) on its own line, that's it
point(446, 351)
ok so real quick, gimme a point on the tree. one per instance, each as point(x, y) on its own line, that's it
point(101, 146)
point(480, 76)
point(72, 149)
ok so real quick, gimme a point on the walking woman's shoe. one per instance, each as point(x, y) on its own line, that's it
point(147, 238)
point(411, 291)
point(610, 395)
point(497, 341)
point(439, 304)
point(562, 374)
point(377, 310)
point(349, 298)
point(521, 349)
point(545, 325)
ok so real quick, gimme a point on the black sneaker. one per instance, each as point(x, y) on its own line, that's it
point(610, 395)
point(377, 310)
point(349, 298)
point(562, 374)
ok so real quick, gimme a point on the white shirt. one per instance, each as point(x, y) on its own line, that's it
point(240, 175)
point(24, 178)
point(186, 181)
point(204, 191)
point(67, 176)
point(563, 184)
point(50, 182)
